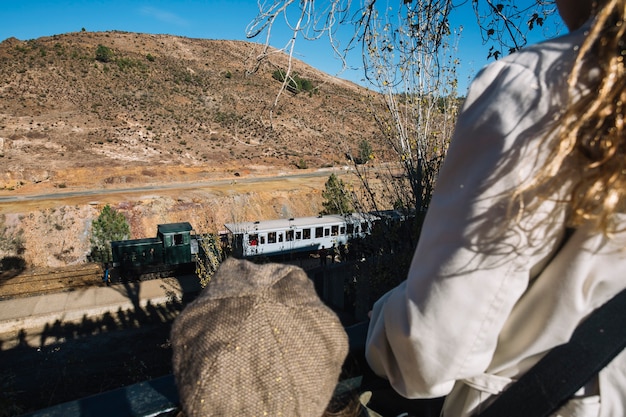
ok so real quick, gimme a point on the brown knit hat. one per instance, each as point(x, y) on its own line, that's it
point(257, 342)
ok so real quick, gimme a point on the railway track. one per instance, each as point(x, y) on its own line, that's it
point(15, 284)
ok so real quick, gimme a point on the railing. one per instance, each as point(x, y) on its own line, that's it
point(159, 397)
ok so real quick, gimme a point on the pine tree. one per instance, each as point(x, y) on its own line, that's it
point(336, 198)
point(109, 226)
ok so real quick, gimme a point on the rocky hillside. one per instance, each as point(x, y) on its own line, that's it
point(114, 109)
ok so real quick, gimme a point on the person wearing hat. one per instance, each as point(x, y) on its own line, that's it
point(257, 341)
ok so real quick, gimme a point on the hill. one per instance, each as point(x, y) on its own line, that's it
point(117, 109)
point(160, 100)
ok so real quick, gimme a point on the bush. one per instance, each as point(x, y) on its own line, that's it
point(295, 83)
point(12, 263)
point(104, 54)
point(301, 164)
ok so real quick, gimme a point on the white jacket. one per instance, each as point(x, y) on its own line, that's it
point(486, 296)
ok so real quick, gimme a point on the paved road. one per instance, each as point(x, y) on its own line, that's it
point(172, 186)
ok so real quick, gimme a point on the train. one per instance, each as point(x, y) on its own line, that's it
point(173, 250)
point(269, 238)
point(176, 247)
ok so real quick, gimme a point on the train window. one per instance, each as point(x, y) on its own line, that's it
point(350, 227)
point(271, 237)
point(262, 242)
point(289, 236)
point(306, 233)
point(298, 235)
point(334, 230)
point(319, 232)
point(364, 227)
point(253, 240)
point(327, 232)
point(280, 237)
point(356, 229)
point(178, 239)
point(342, 230)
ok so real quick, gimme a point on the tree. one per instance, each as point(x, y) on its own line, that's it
point(209, 258)
point(365, 151)
point(109, 226)
point(336, 198)
point(409, 55)
point(408, 51)
point(504, 24)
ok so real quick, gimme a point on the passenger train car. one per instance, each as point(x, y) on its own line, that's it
point(294, 235)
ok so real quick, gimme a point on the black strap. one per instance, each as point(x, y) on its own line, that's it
point(566, 368)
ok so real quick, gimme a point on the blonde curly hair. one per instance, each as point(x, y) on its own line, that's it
point(590, 137)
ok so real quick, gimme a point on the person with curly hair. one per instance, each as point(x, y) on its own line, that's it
point(525, 236)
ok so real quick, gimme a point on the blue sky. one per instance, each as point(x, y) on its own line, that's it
point(209, 19)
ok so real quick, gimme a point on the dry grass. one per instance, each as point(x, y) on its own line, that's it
point(165, 107)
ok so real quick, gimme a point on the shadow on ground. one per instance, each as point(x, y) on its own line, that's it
point(68, 361)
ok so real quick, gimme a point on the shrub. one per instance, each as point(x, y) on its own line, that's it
point(104, 54)
point(12, 263)
point(301, 164)
point(295, 83)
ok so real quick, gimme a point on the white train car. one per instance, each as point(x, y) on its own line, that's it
point(302, 234)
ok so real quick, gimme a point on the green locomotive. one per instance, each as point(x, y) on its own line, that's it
point(173, 250)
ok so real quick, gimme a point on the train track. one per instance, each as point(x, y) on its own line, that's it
point(20, 284)
point(14, 284)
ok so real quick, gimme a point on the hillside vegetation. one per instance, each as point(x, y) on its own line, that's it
point(113, 109)
point(116, 100)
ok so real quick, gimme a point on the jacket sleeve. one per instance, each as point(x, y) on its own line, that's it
point(472, 262)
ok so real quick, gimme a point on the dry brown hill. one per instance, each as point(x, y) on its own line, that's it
point(157, 109)
point(162, 101)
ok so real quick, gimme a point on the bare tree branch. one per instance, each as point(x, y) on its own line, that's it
point(408, 51)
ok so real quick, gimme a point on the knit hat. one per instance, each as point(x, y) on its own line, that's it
point(257, 341)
